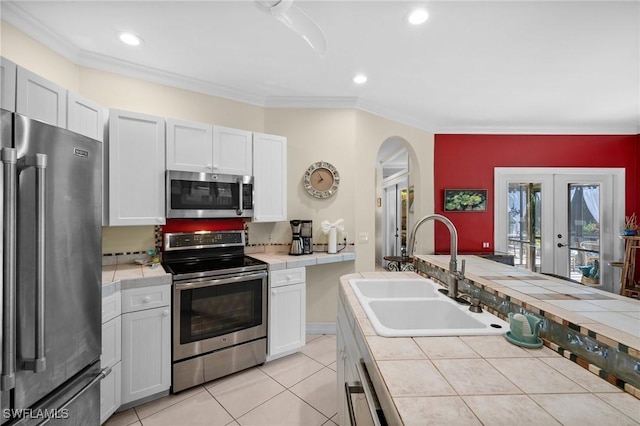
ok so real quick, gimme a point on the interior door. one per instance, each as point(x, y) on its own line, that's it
point(391, 221)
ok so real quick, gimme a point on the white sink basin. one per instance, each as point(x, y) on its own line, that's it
point(395, 288)
point(414, 307)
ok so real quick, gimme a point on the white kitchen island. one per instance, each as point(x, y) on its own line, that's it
point(471, 380)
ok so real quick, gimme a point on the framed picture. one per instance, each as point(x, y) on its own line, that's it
point(465, 200)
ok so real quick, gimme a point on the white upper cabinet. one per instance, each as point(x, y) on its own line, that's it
point(40, 99)
point(189, 146)
point(199, 147)
point(7, 85)
point(85, 116)
point(232, 151)
point(136, 169)
point(269, 178)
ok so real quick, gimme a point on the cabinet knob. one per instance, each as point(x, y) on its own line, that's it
point(209, 166)
point(146, 299)
point(160, 219)
point(165, 313)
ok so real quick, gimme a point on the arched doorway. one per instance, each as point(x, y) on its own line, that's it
point(394, 198)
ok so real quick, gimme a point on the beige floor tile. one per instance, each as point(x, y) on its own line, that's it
point(581, 376)
point(509, 410)
point(285, 409)
point(333, 366)
point(123, 418)
point(494, 347)
point(623, 402)
point(436, 411)
point(291, 369)
point(146, 410)
point(583, 410)
point(244, 391)
point(200, 409)
point(445, 347)
point(319, 390)
point(322, 349)
point(474, 377)
point(533, 376)
point(414, 378)
point(396, 348)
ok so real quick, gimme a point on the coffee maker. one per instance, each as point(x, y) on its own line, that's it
point(297, 247)
point(307, 236)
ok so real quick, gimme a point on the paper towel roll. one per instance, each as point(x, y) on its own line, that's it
point(333, 241)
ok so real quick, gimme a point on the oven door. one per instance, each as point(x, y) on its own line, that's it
point(208, 195)
point(213, 314)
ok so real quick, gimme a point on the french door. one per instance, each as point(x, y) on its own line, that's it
point(564, 222)
point(395, 217)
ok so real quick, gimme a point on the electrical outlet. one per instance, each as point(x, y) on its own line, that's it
point(485, 244)
point(363, 237)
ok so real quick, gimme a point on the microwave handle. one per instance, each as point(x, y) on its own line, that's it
point(241, 198)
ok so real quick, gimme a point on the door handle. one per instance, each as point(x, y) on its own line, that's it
point(39, 162)
point(562, 245)
point(9, 158)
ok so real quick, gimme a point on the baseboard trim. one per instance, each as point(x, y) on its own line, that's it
point(321, 328)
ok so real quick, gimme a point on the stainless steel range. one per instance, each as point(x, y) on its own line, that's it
point(219, 306)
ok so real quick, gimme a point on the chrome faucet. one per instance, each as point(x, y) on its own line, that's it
point(454, 274)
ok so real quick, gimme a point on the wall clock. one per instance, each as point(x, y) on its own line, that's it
point(321, 179)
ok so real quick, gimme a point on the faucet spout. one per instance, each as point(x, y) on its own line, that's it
point(454, 275)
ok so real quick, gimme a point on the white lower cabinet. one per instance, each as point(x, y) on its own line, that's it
point(146, 342)
point(287, 312)
point(110, 388)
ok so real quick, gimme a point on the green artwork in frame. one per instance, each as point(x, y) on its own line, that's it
point(465, 200)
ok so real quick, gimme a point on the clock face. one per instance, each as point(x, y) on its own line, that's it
point(321, 179)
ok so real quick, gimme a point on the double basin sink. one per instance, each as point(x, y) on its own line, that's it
point(414, 307)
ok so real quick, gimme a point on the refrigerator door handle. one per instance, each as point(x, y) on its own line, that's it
point(7, 378)
point(39, 161)
point(101, 375)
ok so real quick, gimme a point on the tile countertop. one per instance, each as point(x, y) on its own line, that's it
point(474, 380)
point(278, 261)
point(130, 275)
point(613, 318)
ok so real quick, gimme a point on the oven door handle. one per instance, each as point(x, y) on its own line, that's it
point(227, 280)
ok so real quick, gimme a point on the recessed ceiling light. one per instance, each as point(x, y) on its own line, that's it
point(130, 39)
point(418, 16)
point(360, 79)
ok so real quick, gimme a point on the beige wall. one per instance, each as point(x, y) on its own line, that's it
point(347, 138)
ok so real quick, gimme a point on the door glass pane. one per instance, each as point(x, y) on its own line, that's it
point(584, 232)
point(524, 224)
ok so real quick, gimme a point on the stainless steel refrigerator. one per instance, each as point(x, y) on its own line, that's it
point(51, 274)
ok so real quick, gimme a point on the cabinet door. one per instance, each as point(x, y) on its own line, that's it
point(189, 146)
point(111, 342)
point(136, 169)
point(40, 99)
point(269, 178)
point(146, 353)
point(232, 151)
point(287, 319)
point(110, 393)
point(85, 116)
point(7, 85)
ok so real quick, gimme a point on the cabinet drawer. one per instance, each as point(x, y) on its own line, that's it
point(287, 277)
point(111, 307)
point(138, 299)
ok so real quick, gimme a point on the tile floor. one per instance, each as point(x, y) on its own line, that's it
point(297, 390)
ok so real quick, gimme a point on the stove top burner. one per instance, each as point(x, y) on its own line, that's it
point(197, 255)
point(212, 265)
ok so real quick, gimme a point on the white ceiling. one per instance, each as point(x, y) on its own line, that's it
point(506, 66)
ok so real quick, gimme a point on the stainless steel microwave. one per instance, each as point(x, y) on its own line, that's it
point(208, 195)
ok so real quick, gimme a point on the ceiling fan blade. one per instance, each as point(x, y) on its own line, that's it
point(294, 18)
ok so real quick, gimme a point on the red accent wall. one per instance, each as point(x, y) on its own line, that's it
point(193, 225)
point(467, 161)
